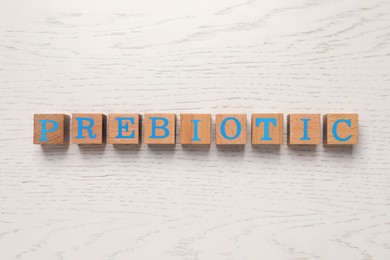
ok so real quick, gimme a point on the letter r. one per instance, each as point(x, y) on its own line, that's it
point(81, 127)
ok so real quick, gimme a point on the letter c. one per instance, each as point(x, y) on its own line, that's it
point(334, 130)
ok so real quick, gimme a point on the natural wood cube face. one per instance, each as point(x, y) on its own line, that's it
point(124, 129)
point(88, 128)
point(267, 129)
point(195, 129)
point(340, 129)
point(303, 129)
point(51, 129)
point(230, 129)
point(160, 128)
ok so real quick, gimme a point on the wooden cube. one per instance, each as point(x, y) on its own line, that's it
point(195, 129)
point(230, 129)
point(51, 129)
point(267, 129)
point(340, 129)
point(160, 128)
point(123, 129)
point(303, 129)
point(88, 128)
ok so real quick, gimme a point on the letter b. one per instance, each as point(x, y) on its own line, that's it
point(160, 128)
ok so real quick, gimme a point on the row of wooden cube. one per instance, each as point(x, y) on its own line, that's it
point(195, 129)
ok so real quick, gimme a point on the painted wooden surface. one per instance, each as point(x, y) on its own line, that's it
point(181, 56)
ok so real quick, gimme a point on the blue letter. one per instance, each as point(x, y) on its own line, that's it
point(44, 129)
point(334, 130)
point(125, 127)
point(305, 129)
point(196, 137)
point(222, 129)
point(163, 127)
point(266, 122)
point(87, 127)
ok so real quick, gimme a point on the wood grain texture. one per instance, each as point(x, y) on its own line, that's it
point(89, 128)
point(230, 129)
point(304, 129)
point(124, 129)
point(51, 129)
point(275, 126)
point(347, 130)
point(159, 128)
point(200, 122)
point(230, 56)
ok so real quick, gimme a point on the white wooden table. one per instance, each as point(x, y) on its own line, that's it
point(219, 56)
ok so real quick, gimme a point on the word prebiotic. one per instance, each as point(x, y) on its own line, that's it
point(195, 129)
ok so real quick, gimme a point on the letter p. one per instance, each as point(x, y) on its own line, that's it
point(45, 129)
